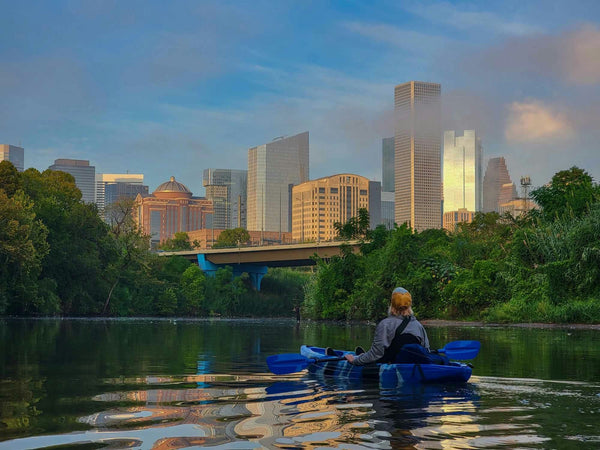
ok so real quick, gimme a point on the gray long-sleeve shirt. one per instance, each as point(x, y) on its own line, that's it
point(384, 334)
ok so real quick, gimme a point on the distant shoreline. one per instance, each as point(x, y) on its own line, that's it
point(457, 323)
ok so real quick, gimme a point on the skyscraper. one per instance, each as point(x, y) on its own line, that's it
point(318, 204)
point(14, 154)
point(497, 185)
point(387, 164)
point(84, 174)
point(227, 189)
point(109, 185)
point(273, 169)
point(462, 172)
point(417, 162)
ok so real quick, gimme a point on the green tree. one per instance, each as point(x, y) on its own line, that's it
point(355, 228)
point(193, 286)
point(22, 248)
point(571, 192)
point(232, 238)
point(10, 181)
point(179, 242)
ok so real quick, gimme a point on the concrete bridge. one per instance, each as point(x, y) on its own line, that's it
point(256, 260)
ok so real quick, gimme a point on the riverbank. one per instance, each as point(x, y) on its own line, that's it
point(458, 323)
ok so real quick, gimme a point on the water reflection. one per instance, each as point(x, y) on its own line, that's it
point(194, 398)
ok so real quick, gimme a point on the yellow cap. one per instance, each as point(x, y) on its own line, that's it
point(401, 298)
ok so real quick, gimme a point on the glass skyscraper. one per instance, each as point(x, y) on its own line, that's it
point(417, 162)
point(84, 174)
point(227, 189)
point(498, 188)
point(109, 185)
point(14, 154)
point(387, 164)
point(273, 169)
point(462, 172)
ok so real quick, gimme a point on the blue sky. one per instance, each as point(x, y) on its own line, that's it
point(172, 88)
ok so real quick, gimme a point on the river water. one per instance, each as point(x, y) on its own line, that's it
point(193, 384)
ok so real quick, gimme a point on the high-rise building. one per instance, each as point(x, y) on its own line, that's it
point(417, 162)
point(497, 185)
point(463, 181)
point(84, 174)
point(110, 187)
point(318, 204)
point(387, 209)
point(14, 154)
point(169, 210)
point(387, 164)
point(227, 189)
point(273, 169)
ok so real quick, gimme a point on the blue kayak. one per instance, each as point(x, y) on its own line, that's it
point(389, 375)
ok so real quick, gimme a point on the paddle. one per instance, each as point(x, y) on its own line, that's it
point(294, 362)
point(461, 349)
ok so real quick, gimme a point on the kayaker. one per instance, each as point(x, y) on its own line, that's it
point(400, 327)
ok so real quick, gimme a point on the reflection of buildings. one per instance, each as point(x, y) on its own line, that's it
point(227, 189)
point(418, 177)
point(171, 209)
point(462, 178)
point(14, 154)
point(84, 174)
point(273, 169)
point(318, 204)
point(497, 185)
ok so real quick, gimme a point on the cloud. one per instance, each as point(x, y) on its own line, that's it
point(464, 19)
point(534, 121)
point(571, 57)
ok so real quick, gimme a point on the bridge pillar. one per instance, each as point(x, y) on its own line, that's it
point(255, 271)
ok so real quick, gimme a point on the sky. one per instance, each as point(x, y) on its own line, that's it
point(172, 88)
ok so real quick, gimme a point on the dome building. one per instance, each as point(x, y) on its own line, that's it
point(171, 208)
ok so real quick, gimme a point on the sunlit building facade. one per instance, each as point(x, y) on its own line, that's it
point(463, 181)
point(111, 187)
point(169, 210)
point(453, 218)
point(84, 174)
point(13, 154)
point(318, 204)
point(273, 169)
point(417, 162)
point(497, 185)
point(227, 189)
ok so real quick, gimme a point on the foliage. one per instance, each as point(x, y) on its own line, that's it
point(355, 228)
point(179, 242)
point(232, 238)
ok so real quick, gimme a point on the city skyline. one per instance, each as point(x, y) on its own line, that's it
point(210, 82)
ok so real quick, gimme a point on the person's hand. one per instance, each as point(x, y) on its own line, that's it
point(349, 357)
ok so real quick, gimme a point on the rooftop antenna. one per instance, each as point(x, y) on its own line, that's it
point(525, 186)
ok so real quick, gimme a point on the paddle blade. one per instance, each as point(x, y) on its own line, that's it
point(461, 349)
point(287, 363)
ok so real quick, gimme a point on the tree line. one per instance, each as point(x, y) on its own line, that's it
point(543, 266)
point(58, 257)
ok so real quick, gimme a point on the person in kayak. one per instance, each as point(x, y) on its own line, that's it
point(399, 328)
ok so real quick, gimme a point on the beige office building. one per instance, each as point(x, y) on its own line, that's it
point(463, 177)
point(318, 204)
point(453, 218)
point(417, 162)
point(273, 169)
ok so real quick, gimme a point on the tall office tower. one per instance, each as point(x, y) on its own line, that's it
point(273, 169)
point(387, 164)
point(417, 162)
point(387, 209)
point(116, 184)
point(84, 174)
point(227, 189)
point(497, 185)
point(14, 154)
point(318, 204)
point(463, 181)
